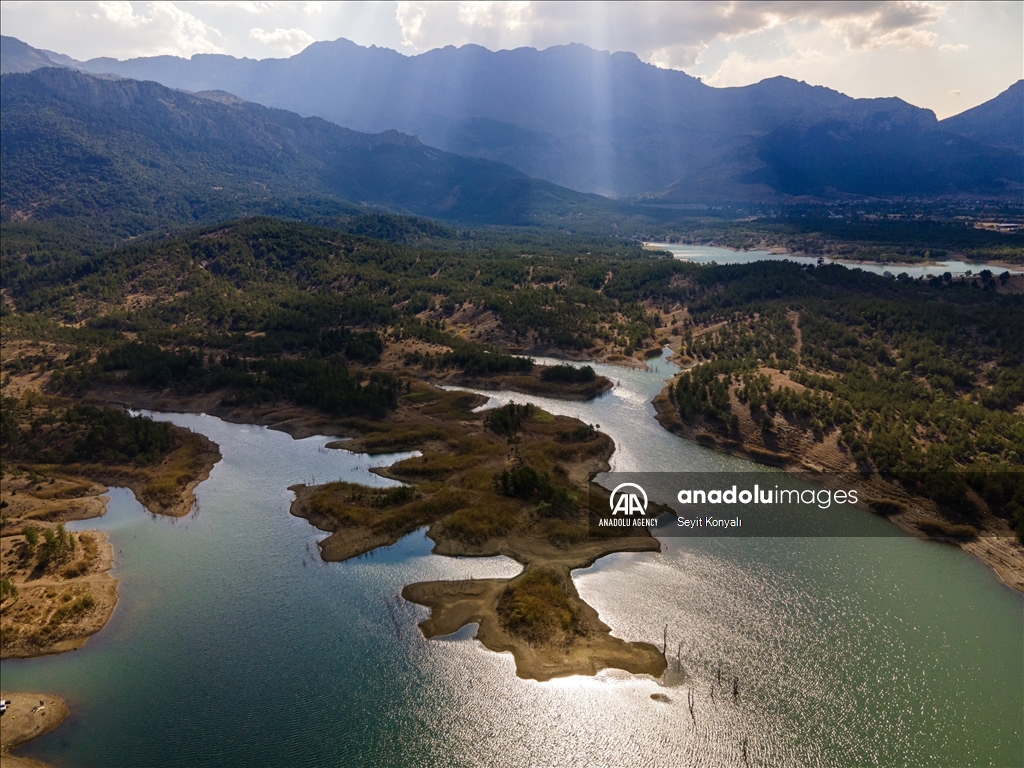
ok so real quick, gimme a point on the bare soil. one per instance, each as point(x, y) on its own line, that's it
point(28, 716)
point(457, 499)
point(794, 447)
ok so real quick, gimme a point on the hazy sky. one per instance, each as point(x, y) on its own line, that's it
point(944, 56)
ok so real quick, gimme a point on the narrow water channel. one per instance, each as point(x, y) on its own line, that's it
point(233, 645)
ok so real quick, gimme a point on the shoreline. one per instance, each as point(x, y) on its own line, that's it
point(780, 251)
point(466, 516)
point(28, 716)
point(60, 604)
point(995, 545)
point(454, 604)
point(528, 385)
point(75, 607)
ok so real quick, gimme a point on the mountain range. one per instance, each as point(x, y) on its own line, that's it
point(608, 123)
point(133, 156)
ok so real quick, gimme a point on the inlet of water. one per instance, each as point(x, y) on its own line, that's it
point(233, 645)
point(705, 254)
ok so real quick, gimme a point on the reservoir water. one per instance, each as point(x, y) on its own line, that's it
point(233, 645)
point(705, 254)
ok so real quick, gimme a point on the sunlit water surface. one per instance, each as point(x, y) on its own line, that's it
point(704, 254)
point(232, 645)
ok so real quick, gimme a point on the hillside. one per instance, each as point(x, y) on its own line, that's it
point(16, 56)
point(904, 379)
point(998, 122)
point(611, 124)
point(130, 157)
point(866, 147)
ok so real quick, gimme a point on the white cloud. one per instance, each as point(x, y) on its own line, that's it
point(238, 5)
point(737, 69)
point(895, 23)
point(289, 41)
point(410, 18)
point(162, 29)
point(119, 13)
point(511, 16)
point(916, 50)
point(668, 34)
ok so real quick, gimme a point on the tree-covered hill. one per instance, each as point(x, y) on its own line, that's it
point(607, 122)
point(268, 286)
point(907, 377)
point(124, 157)
point(264, 311)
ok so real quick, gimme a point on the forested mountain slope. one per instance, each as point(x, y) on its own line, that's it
point(129, 157)
point(609, 123)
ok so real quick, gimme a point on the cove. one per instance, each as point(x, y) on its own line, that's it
point(706, 254)
point(234, 645)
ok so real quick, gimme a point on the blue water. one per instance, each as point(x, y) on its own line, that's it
point(233, 645)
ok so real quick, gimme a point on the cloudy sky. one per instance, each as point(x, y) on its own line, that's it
point(945, 56)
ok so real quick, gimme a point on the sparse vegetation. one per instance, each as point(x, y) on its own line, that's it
point(940, 528)
point(536, 607)
point(919, 380)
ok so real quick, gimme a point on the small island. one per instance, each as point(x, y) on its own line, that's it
point(511, 482)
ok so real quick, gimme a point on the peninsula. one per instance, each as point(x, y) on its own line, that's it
point(907, 389)
point(59, 458)
point(511, 482)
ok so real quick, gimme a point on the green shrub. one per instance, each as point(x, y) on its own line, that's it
point(941, 529)
point(568, 374)
point(537, 608)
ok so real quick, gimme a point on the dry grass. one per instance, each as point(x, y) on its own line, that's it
point(478, 524)
point(943, 530)
point(537, 607)
point(56, 608)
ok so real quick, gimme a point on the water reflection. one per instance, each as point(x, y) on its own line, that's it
point(234, 646)
point(704, 254)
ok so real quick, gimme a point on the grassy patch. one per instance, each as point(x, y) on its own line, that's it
point(456, 405)
point(475, 524)
point(422, 512)
point(537, 607)
point(399, 439)
point(887, 507)
point(564, 534)
point(74, 491)
point(942, 529)
point(435, 465)
point(769, 457)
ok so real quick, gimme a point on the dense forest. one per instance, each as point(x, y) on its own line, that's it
point(269, 311)
point(921, 379)
point(81, 434)
point(262, 286)
point(924, 380)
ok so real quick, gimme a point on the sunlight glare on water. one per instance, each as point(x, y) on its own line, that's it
point(234, 643)
point(705, 254)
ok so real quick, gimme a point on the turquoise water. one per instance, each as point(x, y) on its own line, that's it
point(233, 645)
point(704, 254)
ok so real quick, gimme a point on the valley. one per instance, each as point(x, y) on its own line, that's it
point(306, 381)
